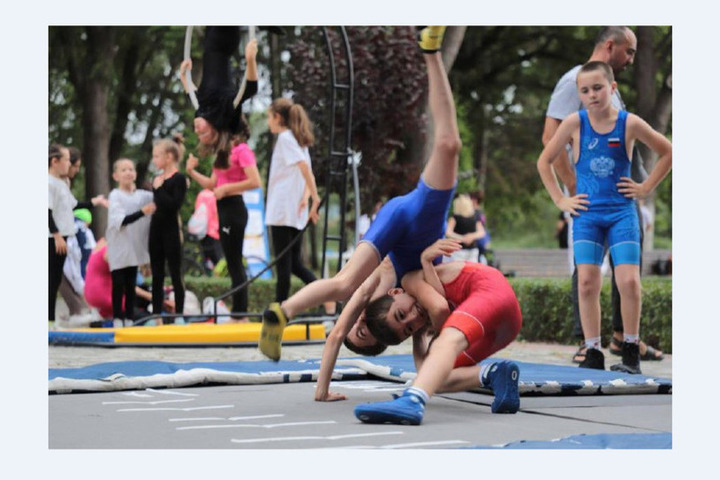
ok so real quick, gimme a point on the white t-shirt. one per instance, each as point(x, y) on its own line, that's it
point(286, 184)
point(127, 246)
point(61, 202)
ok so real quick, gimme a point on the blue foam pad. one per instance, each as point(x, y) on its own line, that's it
point(57, 337)
point(635, 441)
point(535, 379)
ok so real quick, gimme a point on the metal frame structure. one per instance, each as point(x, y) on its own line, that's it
point(338, 158)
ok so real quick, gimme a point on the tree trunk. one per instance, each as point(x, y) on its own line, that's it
point(95, 118)
point(652, 106)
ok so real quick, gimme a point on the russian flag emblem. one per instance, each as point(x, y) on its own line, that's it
point(613, 142)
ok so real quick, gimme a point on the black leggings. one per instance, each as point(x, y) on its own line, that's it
point(166, 246)
point(233, 217)
point(123, 284)
point(220, 43)
point(291, 262)
point(55, 274)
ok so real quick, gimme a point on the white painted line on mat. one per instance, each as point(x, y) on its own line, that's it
point(400, 445)
point(137, 394)
point(229, 419)
point(171, 409)
point(151, 402)
point(251, 425)
point(424, 444)
point(172, 392)
point(332, 437)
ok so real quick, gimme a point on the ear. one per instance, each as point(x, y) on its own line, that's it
point(394, 291)
point(613, 86)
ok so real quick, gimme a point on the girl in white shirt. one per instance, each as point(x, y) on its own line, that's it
point(290, 185)
point(127, 236)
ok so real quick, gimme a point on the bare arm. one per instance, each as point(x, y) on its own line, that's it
point(310, 184)
point(428, 296)
point(203, 180)
point(251, 49)
point(640, 130)
point(561, 163)
point(547, 158)
point(377, 282)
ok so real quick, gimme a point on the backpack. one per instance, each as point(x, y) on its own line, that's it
point(197, 225)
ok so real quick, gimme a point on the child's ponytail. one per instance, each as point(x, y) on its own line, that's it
point(295, 118)
point(299, 123)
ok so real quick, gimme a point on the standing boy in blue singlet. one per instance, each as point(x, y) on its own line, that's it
point(403, 228)
point(602, 138)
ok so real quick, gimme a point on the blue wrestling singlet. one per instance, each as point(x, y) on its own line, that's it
point(602, 161)
point(407, 225)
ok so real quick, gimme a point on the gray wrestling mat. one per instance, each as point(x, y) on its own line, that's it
point(266, 405)
point(285, 416)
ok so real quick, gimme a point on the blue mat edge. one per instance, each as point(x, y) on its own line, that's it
point(627, 441)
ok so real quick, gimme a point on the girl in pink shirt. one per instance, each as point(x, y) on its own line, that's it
point(230, 177)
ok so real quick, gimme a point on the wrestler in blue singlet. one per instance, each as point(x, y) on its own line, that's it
point(407, 225)
point(602, 161)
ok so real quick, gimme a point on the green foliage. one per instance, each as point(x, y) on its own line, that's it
point(261, 293)
point(547, 310)
point(546, 306)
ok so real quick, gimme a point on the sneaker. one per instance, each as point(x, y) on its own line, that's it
point(594, 358)
point(118, 323)
point(273, 324)
point(430, 38)
point(80, 320)
point(630, 359)
point(407, 409)
point(503, 379)
point(61, 323)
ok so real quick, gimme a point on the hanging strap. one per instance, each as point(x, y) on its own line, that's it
point(188, 76)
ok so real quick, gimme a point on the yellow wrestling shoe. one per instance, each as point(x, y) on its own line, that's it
point(273, 324)
point(430, 38)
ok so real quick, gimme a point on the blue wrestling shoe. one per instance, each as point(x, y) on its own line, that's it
point(503, 379)
point(407, 409)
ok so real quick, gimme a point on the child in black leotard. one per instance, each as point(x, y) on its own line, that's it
point(217, 117)
point(169, 189)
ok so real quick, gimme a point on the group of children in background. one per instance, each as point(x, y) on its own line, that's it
point(144, 227)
